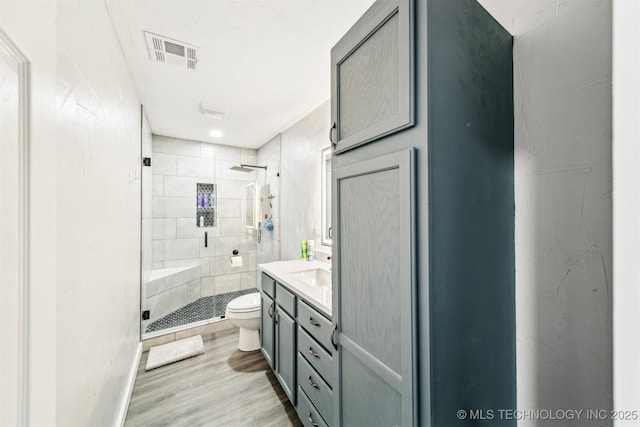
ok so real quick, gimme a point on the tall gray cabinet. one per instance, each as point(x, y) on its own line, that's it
point(423, 214)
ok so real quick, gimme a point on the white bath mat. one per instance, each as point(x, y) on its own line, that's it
point(174, 351)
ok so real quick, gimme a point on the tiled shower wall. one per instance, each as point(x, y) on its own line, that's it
point(269, 246)
point(178, 165)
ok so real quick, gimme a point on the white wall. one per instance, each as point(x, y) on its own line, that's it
point(98, 217)
point(300, 179)
point(31, 25)
point(562, 79)
point(626, 204)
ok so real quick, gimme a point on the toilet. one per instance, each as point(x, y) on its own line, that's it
point(244, 312)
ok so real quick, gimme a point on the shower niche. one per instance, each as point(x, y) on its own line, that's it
point(205, 205)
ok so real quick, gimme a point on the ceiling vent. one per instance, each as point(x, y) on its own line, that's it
point(213, 111)
point(164, 49)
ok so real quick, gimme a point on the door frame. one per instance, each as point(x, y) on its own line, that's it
point(22, 312)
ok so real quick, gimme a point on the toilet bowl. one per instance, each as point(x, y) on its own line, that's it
point(244, 312)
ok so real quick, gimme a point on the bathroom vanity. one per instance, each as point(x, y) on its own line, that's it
point(297, 335)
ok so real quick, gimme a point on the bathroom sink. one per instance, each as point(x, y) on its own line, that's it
point(314, 276)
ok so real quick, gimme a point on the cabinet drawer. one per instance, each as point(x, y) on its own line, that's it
point(307, 413)
point(317, 356)
point(318, 326)
point(268, 285)
point(318, 391)
point(286, 299)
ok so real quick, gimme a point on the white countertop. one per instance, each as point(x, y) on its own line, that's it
point(319, 296)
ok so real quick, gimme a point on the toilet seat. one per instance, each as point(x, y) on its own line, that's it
point(245, 303)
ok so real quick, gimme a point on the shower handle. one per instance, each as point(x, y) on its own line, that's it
point(206, 239)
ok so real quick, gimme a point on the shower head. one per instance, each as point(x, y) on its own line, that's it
point(247, 168)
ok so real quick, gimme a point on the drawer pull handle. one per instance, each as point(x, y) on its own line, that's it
point(313, 423)
point(311, 383)
point(271, 310)
point(334, 328)
point(316, 355)
point(313, 322)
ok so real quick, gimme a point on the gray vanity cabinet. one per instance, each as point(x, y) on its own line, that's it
point(267, 329)
point(423, 216)
point(286, 341)
point(278, 333)
point(286, 353)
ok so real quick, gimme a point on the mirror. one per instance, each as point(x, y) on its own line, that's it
point(326, 196)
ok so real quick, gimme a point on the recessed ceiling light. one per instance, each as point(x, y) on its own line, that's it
point(215, 133)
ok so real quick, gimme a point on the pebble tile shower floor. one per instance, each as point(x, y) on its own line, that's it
point(201, 309)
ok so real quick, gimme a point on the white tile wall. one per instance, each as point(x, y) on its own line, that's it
point(227, 283)
point(178, 166)
point(157, 185)
point(186, 227)
point(180, 186)
point(176, 207)
point(192, 166)
point(229, 208)
point(210, 250)
point(162, 304)
point(168, 145)
point(231, 226)
point(181, 248)
point(203, 262)
point(164, 228)
point(163, 164)
point(228, 189)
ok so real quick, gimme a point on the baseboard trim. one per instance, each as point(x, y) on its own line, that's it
point(126, 398)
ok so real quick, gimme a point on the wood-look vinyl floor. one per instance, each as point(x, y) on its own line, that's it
point(223, 387)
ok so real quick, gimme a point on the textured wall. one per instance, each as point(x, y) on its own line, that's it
point(178, 165)
point(562, 78)
point(98, 218)
point(300, 180)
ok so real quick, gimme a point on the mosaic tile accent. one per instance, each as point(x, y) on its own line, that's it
point(206, 204)
point(201, 309)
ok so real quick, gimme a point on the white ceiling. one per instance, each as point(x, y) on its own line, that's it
point(266, 61)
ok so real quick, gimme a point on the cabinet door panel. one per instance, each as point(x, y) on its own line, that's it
point(267, 337)
point(374, 290)
point(372, 75)
point(286, 353)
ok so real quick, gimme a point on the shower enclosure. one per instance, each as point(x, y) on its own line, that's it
point(201, 225)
